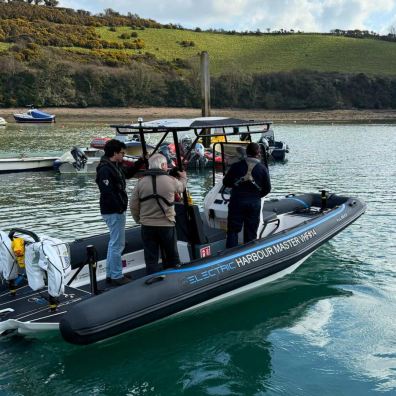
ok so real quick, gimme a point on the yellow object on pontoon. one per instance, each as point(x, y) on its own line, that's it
point(18, 247)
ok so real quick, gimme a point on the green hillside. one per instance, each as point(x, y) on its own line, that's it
point(54, 56)
point(269, 53)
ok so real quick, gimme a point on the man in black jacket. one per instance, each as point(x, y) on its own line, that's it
point(250, 181)
point(110, 178)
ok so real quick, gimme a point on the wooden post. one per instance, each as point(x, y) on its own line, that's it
point(205, 90)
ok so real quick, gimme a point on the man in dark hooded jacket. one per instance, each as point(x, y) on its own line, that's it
point(110, 178)
point(249, 181)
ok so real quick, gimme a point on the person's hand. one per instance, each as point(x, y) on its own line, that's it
point(183, 174)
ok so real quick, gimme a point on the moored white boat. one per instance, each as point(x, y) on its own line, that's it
point(26, 164)
point(3, 122)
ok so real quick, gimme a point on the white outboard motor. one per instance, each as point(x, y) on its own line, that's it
point(199, 150)
point(8, 263)
point(198, 159)
point(49, 258)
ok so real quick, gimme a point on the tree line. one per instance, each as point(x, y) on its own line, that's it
point(46, 82)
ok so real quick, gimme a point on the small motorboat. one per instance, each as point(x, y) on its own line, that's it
point(276, 148)
point(3, 122)
point(77, 301)
point(26, 164)
point(34, 116)
point(84, 161)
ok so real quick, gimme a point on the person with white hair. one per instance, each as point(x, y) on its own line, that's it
point(152, 206)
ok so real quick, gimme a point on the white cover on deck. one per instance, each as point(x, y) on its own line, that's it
point(8, 263)
point(49, 256)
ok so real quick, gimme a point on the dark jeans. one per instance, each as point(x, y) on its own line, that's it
point(246, 213)
point(155, 238)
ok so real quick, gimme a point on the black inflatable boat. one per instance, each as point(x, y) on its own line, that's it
point(230, 271)
point(291, 229)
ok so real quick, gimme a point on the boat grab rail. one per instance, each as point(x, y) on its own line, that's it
point(32, 234)
point(269, 217)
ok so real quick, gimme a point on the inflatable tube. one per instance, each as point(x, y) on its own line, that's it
point(157, 296)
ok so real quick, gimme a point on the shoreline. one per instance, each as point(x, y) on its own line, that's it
point(130, 114)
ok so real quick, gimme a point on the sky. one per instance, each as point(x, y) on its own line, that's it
point(240, 15)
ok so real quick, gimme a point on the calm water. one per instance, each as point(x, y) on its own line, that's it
point(329, 328)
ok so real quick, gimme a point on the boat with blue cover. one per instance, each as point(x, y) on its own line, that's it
point(85, 309)
point(34, 116)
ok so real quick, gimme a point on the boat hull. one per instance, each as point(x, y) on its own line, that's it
point(278, 154)
point(32, 120)
point(27, 164)
point(157, 296)
point(83, 317)
point(68, 168)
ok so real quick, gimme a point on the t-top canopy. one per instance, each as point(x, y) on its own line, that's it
point(186, 124)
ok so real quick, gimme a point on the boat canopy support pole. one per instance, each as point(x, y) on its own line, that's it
point(160, 143)
point(205, 92)
point(143, 144)
point(92, 259)
point(222, 159)
point(192, 147)
point(179, 163)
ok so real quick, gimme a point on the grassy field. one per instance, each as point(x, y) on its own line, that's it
point(269, 53)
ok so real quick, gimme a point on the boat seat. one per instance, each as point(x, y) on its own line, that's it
point(78, 251)
point(288, 204)
point(197, 231)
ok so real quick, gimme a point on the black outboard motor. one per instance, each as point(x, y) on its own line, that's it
point(80, 159)
point(264, 150)
point(185, 145)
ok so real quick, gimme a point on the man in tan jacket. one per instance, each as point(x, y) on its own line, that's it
point(152, 205)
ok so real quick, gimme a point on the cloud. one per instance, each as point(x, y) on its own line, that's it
point(303, 15)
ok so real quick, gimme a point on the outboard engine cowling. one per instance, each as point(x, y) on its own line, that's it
point(80, 159)
point(198, 159)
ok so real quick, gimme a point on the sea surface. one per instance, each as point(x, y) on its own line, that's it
point(329, 328)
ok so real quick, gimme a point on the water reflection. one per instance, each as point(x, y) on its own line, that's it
point(329, 325)
point(208, 351)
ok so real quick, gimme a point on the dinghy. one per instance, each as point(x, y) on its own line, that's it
point(85, 309)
